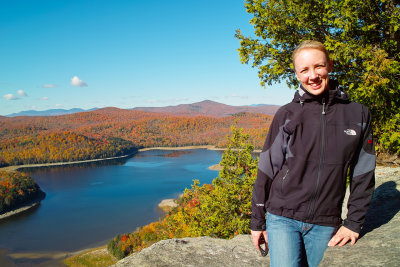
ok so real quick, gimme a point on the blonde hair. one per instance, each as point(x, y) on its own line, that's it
point(310, 44)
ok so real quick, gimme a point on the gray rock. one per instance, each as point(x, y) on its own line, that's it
point(200, 251)
point(379, 244)
point(167, 204)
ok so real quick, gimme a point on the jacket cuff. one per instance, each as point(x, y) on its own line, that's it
point(257, 225)
point(355, 227)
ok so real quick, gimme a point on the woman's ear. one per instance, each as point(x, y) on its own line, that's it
point(297, 77)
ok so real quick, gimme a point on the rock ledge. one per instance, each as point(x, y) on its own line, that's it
point(379, 244)
point(199, 251)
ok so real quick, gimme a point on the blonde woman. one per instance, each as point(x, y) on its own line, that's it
point(312, 144)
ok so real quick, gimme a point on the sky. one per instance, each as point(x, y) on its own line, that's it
point(94, 53)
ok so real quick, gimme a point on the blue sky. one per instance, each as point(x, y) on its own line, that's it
point(85, 54)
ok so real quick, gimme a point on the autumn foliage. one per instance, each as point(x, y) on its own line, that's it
point(16, 188)
point(221, 209)
point(60, 147)
point(112, 132)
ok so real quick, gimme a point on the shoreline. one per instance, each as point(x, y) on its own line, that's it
point(19, 210)
point(48, 258)
point(215, 167)
point(16, 167)
point(22, 207)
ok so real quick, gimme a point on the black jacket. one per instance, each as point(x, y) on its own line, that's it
point(313, 143)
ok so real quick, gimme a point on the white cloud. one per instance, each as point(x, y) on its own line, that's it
point(10, 97)
point(75, 81)
point(49, 85)
point(58, 105)
point(22, 93)
point(44, 98)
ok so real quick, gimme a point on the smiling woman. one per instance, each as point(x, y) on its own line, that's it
point(313, 143)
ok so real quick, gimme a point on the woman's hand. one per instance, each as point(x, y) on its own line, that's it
point(342, 236)
point(259, 238)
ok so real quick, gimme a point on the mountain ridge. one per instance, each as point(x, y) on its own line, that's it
point(202, 108)
point(48, 112)
point(211, 108)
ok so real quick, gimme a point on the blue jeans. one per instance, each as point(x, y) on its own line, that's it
point(295, 243)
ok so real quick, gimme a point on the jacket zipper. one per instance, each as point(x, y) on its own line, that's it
point(283, 180)
point(314, 197)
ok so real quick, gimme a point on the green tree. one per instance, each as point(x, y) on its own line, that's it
point(224, 210)
point(114, 248)
point(234, 185)
point(363, 38)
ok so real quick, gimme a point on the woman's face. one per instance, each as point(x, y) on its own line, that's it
point(312, 70)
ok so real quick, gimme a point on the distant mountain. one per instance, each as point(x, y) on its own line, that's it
point(211, 108)
point(203, 108)
point(49, 112)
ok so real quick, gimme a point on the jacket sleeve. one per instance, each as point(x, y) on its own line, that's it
point(271, 160)
point(362, 181)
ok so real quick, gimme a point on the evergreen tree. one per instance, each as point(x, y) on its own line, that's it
point(363, 38)
point(224, 209)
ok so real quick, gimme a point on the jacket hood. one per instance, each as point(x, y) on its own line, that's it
point(335, 94)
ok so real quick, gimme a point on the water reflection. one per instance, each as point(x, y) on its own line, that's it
point(165, 153)
point(146, 164)
point(91, 164)
point(20, 216)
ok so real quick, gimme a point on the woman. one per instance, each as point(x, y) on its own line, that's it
point(313, 144)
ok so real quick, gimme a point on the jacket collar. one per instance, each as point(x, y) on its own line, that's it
point(335, 94)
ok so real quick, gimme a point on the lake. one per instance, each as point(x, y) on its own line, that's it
point(88, 204)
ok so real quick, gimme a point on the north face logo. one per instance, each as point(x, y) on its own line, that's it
point(350, 132)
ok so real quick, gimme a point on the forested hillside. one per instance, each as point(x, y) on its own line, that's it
point(17, 188)
point(60, 147)
point(113, 132)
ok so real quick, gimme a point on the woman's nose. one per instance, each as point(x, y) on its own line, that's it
point(312, 74)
